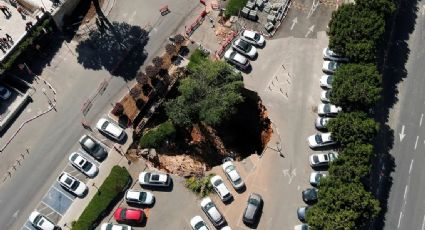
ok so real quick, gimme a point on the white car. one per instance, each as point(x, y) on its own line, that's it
point(330, 66)
point(332, 56)
point(220, 188)
point(139, 197)
point(110, 226)
point(212, 212)
point(320, 140)
point(72, 184)
point(198, 223)
point(328, 110)
point(82, 164)
point(322, 159)
point(321, 122)
point(154, 179)
point(244, 48)
point(316, 176)
point(41, 222)
point(110, 129)
point(253, 37)
point(326, 81)
point(325, 96)
point(232, 174)
point(236, 59)
point(226, 228)
point(4, 93)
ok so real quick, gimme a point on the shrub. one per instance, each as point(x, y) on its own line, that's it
point(158, 61)
point(112, 188)
point(170, 49)
point(179, 39)
point(151, 71)
point(201, 186)
point(118, 109)
point(196, 58)
point(135, 92)
point(234, 7)
point(156, 136)
point(146, 88)
point(141, 78)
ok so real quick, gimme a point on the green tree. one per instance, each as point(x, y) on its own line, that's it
point(353, 127)
point(342, 206)
point(355, 32)
point(209, 94)
point(356, 86)
point(385, 7)
point(353, 163)
point(155, 137)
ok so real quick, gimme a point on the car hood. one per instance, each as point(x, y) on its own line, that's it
point(234, 175)
point(92, 171)
point(241, 59)
point(80, 189)
point(114, 130)
point(312, 140)
point(252, 52)
point(326, 137)
point(149, 198)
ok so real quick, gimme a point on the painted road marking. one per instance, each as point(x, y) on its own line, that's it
point(402, 134)
point(411, 164)
point(399, 219)
point(416, 143)
point(295, 21)
point(423, 223)
point(405, 192)
point(420, 122)
point(310, 30)
point(51, 208)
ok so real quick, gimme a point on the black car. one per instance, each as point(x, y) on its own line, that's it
point(253, 209)
point(93, 147)
point(310, 195)
point(302, 213)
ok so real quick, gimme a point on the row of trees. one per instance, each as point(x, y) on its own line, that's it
point(356, 31)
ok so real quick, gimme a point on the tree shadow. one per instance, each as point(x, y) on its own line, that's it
point(392, 63)
point(117, 47)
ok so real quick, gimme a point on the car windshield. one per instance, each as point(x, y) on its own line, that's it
point(333, 65)
point(323, 122)
point(208, 206)
point(75, 185)
point(86, 166)
point(327, 108)
point(199, 225)
point(142, 196)
point(311, 194)
point(244, 46)
point(230, 168)
point(253, 201)
point(147, 175)
point(318, 176)
point(237, 181)
point(326, 157)
point(105, 124)
point(217, 182)
point(37, 219)
point(329, 80)
point(122, 214)
point(315, 158)
point(232, 55)
point(256, 37)
point(328, 94)
point(318, 138)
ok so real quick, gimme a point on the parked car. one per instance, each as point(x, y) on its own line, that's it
point(330, 66)
point(129, 215)
point(41, 222)
point(212, 212)
point(309, 195)
point(301, 227)
point(139, 197)
point(198, 223)
point(109, 226)
point(4, 92)
point(110, 129)
point(72, 184)
point(325, 96)
point(82, 164)
point(326, 81)
point(321, 122)
point(302, 213)
point(156, 179)
point(232, 174)
point(328, 110)
point(320, 140)
point(236, 59)
point(244, 48)
point(253, 37)
point(315, 177)
point(226, 228)
point(93, 147)
point(322, 159)
point(332, 56)
point(220, 188)
point(253, 209)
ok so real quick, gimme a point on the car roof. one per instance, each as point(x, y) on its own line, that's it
point(248, 33)
point(133, 194)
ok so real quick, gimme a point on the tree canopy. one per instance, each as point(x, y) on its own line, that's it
point(209, 94)
point(342, 206)
point(355, 32)
point(356, 86)
point(353, 127)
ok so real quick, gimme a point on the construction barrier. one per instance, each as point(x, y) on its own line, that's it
point(219, 53)
point(189, 30)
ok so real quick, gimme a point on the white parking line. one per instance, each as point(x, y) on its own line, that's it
point(416, 143)
point(26, 227)
point(399, 219)
point(51, 208)
point(423, 224)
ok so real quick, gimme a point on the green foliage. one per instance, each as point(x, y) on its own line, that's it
point(353, 127)
point(342, 206)
point(355, 32)
point(209, 94)
point(200, 186)
point(196, 58)
point(234, 6)
point(157, 136)
point(353, 163)
point(356, 86)
point(114, 185)
point(384, 7)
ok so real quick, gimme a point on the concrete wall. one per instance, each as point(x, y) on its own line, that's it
point(65, 9)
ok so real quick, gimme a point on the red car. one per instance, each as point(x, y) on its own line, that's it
point(129, 215)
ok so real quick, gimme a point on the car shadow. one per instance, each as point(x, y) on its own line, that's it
point(241, 190)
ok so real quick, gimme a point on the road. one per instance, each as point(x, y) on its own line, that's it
point(53, 136)
point(406, 203)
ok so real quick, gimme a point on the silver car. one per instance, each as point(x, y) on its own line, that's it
point(332, 56)
point(110, 129)
point(212, 212)
point(236, 59)
point(253, 209)
point(321, 122)
point(253, 37)
point(244, 48)
point(330, 66)
point(232, 174)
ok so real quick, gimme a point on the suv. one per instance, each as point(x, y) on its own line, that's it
point(212, 212)
point(139, 197)
point(252, 209)
point(220, 188)
point(41, 222)
point(154, 179)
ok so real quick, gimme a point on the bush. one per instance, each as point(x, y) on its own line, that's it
point(141, 78)
point(112, 188)
point(179, 39)
point(234, 7)
point(170, 49)
point(200, 186)
point(135, 92)
point(118, 109)
point(156, 136)
point(151, 71)
point(158, 61)
point(196, 58)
